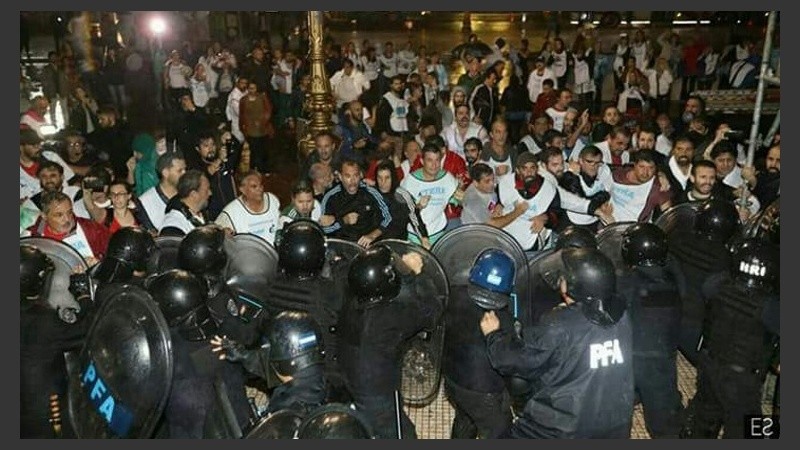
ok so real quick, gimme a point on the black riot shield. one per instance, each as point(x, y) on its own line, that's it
point(120, 381)
point(458, 249)
point(282, 424)
point(609, 241)
point(422, 355)
point(166, 255)
point(679, 217)
point(766, 224)
point(338, 255)
point(542, 297)
point(66, 260)
point(252, 264)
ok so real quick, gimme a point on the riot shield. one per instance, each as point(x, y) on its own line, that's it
point(458, 249)
point(252, 264)
point(679, 217)
point(66, 260)
point(338, 255)
point(335, 421)
point(766, 224)
point(609, 242)
point(543, 297)
point(166, 255)
point(422, 355)
point(282, 424)
point(120, 382)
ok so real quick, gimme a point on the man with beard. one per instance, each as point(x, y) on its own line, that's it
point(480, 200)
point(433, 189)
point(51, 179)
point(392, 110)
point(207, 158)
point(532, 229)
point(232, 107)
point(615, 147)
point(325, 152)
point(463, 129)
point(534, 141)
point(472, 151)
point(701, 184)
point(765, 184)
point(646, 140)
point(592, 181)
point(30, 157)
point(357, 142)
point(576, 129)
point(321, 178)
point(170, 167)
point(113, 139)
point(352, 210)
point(679, 165)
point(637, 191)
point(694, 106)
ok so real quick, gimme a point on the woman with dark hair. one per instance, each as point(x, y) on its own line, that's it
point(401, 205)
point(124, 210)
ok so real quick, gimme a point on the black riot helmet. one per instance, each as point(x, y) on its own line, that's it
point(591, 282)
point(202, 251)
point(281, 424)
point(182, 299)
point(756, 263)
point(129, 250)
point(644, 245)
point(374, 276)
point(301, 250)
point(716, 220)
point(294, 341)
point(334, 421)
point(35, 272)
point(576, 237)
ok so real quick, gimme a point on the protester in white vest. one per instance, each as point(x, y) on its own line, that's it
point(254, 211)
point(170, 166)
point(187, 211)
point(637, 191)
point(30, 155)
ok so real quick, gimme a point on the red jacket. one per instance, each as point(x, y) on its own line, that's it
point(96, 234)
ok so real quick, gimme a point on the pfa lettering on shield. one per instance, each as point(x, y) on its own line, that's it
point(114, 413)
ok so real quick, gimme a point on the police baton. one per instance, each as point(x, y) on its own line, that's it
point(397, 414)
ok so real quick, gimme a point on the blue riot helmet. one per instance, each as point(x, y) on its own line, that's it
point(491, 279)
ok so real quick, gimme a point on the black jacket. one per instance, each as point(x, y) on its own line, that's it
point(582, 374)
point(373, 213)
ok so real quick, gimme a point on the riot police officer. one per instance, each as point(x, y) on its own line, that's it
point(44, 337)
point(578, 356)
point(477, 392)
point(291, 350)
point(736, 346)
point(202, 252)
point(300, 286)
point(576, 236)
point(649, 286)
point(200, 381)
point(389, 305)
point(129, 251)
point(701, 252)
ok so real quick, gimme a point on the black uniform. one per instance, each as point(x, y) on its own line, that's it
point(224, 308)
point(698, 259)
point(368, 202)
point(582, 375)
point(736, 351)
point(475, 388)
point(305, 392)
point(369, 351)
point(194, 408)
point(322, 299)
point(654, 303)
point(44, 338)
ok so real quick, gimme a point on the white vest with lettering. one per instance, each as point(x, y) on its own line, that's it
point(263, 225)
point(629, 200)
point(440, 191)
point(79, 242)
point(154, 206)
point(399, 112)
point(520, 228)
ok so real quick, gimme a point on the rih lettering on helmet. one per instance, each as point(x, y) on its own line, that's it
point(605, 354)
point(755, 269)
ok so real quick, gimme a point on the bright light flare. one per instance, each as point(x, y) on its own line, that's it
point(158, 25)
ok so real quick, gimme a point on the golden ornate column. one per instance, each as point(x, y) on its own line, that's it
point(319, 101)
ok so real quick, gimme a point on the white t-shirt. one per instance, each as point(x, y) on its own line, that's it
point(176, 219)
point(440, 191)
point(155, 205)
point(30, 186)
